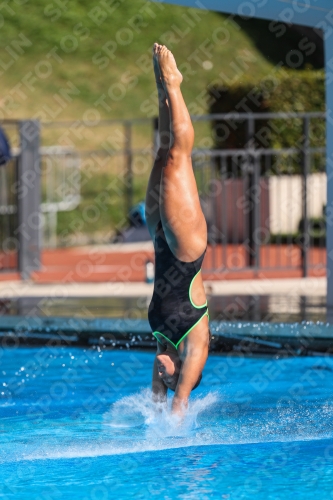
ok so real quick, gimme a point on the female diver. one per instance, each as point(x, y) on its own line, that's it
point(178, 313)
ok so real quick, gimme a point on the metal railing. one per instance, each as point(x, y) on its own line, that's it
point(20, 200)
point(8, 217)
point(263, 205)
point(61, 179)
point(8, 203)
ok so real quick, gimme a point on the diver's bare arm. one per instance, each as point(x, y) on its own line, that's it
point(159, 389)
point(195, 357)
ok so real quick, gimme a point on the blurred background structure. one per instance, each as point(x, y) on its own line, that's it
point(254, 82)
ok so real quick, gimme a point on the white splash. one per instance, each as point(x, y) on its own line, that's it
point(135, 424)
point(139, 410)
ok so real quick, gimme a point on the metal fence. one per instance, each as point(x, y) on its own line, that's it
point(20, 199)
point(8, 203)
point(109, 175)
point(8, 217)
point(61, 192)
point(264, 205)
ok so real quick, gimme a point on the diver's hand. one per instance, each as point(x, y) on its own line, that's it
point(179, 406)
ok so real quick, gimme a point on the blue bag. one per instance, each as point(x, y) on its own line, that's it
point(137, 215)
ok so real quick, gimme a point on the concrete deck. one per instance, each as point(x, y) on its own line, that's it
point(127, 263)
point(294, 287)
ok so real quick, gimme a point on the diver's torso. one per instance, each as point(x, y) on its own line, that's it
point(171, 312)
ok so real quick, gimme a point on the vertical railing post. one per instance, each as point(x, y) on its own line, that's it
point(251, 193)
point(128, 167)
point(305, 162)
point(328, 51)
point(29, 227)
point(256, 196)
point(4, 212)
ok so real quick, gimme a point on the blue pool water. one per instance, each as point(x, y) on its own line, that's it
point(79, 424)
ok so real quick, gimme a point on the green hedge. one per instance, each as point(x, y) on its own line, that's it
point(281, 91)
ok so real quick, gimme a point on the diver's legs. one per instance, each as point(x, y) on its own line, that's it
point(153, 188)
point(181, 215)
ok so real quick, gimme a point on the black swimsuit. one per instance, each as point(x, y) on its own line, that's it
point(172, 313)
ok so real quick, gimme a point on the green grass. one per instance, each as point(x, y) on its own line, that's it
point(123, 81)
point(124, 77)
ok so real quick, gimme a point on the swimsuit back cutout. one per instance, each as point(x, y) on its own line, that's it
point(172, 313)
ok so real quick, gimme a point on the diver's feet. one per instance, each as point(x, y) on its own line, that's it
point(170, 74)
point(158, 78)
